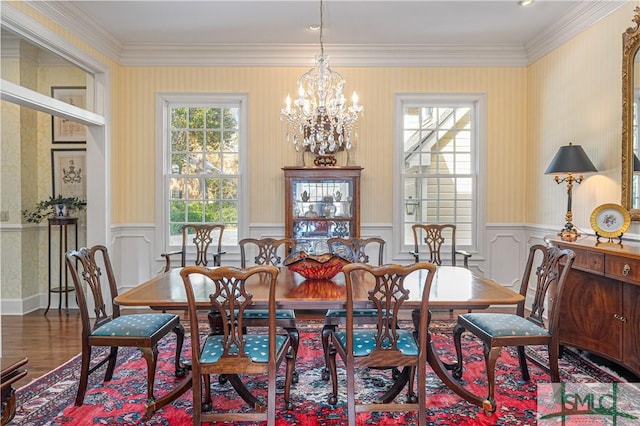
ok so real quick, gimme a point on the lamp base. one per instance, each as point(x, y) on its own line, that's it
point(569, 234)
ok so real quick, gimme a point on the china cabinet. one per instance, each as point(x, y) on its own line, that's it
point(320, 203)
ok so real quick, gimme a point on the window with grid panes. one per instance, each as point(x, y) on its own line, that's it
point(203, 175)
point(438, 172)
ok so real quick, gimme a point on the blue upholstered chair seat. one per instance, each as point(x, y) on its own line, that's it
point(334, 313)
point(500, 325)
point(264, 314)
point(256, 347)
point(139, 325)
point(364, 342)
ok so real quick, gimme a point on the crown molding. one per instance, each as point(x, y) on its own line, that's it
point(340, 55)
point(578, 19)
point(79, 24)
point(583, 16)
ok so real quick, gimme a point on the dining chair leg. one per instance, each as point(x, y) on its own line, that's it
point(553, 362)
point(522, 358)
point(198, 406)
point(291, 365)
point(457, 342)
point(151, 357)
point(84, 375)
point(207, 402)
point(327, 331)
point(113, 356)
point(411, 395)
point(491, 355)
point(331, 365)
point(181, 371)
point(294, 335)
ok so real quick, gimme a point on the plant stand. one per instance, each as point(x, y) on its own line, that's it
point(63, 224)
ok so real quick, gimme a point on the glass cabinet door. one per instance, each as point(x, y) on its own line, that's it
point(322, 204)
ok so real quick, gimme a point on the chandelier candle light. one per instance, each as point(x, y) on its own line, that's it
point(319, 120)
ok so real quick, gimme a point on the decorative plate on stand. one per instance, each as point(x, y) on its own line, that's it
point(610, 221)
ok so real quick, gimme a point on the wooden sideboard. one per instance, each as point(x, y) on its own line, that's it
point(600, 310)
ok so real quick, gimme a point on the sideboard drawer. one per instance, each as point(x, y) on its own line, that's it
point(624, 269)
point(588, 261)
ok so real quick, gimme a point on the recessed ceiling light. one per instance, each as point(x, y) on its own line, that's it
point(314, 27)
point(525, 2)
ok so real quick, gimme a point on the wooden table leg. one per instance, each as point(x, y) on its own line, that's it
point(176, 393)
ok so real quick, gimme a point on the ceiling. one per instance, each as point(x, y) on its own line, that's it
point(136, 30)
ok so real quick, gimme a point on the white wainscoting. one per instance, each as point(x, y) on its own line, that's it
point(502, 260)
point(132, 251)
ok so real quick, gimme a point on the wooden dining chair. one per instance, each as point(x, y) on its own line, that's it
point(435, 237)
point(203, 236)
point(384, 345)
point(497, 330)
point(354, 250)
point(233, 352)
point(270, 251)
point(142, 331)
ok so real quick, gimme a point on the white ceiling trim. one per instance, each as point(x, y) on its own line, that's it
point(584, 15)
point(340, 55)
point(580, 18)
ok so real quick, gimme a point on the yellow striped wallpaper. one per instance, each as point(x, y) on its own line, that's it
point(575, 95)
point(133, 170)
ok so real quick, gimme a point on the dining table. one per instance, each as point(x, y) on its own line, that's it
point(452, 288)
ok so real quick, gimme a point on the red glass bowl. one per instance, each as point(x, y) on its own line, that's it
point(316, 267)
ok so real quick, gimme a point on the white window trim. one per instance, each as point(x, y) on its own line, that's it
point(162, 101)
point(401, 252)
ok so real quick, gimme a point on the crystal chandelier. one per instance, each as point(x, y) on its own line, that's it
point(319, 119)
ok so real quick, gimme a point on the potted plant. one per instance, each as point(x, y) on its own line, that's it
point(57, 206)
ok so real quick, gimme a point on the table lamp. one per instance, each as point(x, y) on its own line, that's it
point(568, 160)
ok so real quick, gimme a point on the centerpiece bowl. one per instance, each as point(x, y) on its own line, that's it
point(315, 266)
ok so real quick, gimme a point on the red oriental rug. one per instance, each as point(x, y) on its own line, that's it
point(49, 399)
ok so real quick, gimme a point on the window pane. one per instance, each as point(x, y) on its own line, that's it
point(212, 212)
point(230, 164)
point(196, 118)
point(176, 189)
point(230, 189)
point(179, 118)
point(194, 211)
point(230, 141)
point(213, 118)
point(178, 210)
point(213, 141)
point(213, 189)
point(214, 164)
point(178, 140)
point(178, 163)
point(196, 141)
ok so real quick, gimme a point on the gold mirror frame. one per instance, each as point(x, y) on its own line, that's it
point(630, 46)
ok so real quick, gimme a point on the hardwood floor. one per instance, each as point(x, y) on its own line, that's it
point(47, 341)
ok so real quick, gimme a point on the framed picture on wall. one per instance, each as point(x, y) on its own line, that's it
point(68, 172)
point(63, 130)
